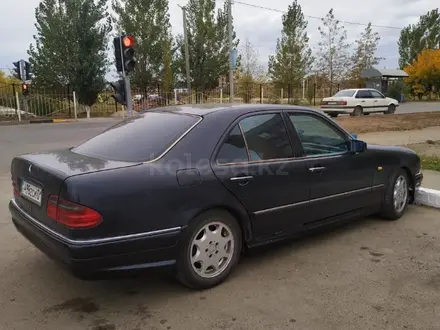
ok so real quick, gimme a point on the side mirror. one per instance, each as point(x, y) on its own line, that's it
point(355, 136)
point(358, 146)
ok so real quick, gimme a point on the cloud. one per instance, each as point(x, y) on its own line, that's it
point(262, 27)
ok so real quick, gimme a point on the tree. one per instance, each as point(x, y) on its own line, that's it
point(416, 37)
point(364, 56)
point(424, 73)
point(149, 22)
point(70, 46)
point(293, 57)
point(207, 43)
point(250, 72)
point(333, 49)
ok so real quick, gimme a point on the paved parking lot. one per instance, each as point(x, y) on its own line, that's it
point(370, 274)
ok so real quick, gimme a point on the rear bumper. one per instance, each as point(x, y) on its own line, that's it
point(114, 254)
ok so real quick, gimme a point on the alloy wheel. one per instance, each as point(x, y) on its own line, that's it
point(212, 249)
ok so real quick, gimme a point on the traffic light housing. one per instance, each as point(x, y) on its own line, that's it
point(25, 89)
point(17, 70)
point(119, 91)
point(28, 71)
point(124, 53)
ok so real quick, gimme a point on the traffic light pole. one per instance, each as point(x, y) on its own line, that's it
point(128, 97)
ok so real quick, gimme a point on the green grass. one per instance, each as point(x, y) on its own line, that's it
point(430, 163)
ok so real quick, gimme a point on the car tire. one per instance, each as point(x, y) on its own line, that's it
point(396, 196)
point(333, 115)
point(391, 109)
point(366, 113)
point(357, 111)
point(214, 236)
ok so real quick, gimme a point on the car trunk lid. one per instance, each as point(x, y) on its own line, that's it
point(37, 176)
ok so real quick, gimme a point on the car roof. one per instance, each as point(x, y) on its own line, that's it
point(236, 109)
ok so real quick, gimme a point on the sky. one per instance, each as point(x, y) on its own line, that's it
point(261, 26)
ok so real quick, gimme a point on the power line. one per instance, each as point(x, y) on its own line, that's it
point(316, 17)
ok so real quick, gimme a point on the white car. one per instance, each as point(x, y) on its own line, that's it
point(357, 102)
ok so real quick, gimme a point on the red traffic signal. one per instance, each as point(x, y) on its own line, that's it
point(127, 41)
point(25, 89)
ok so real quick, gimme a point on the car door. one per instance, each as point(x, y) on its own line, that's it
point(365, 100)
point(255, 162)
point(340, 181)
point(379, 101)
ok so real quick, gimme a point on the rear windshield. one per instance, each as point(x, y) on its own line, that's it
point(140, 139)
point(345, 93)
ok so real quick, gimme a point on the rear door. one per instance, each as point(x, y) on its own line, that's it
point(256, 163)
point(365, 100)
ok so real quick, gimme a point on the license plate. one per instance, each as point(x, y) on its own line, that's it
point(30, 192)
point(332, 103)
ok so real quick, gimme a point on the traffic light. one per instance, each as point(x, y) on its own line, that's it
point(28, 70)
point(125, 59)
point(17, 70)
point(25, 89)
point(118, 58)
point(119, 91)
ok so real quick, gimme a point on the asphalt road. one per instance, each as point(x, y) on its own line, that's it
point(370, 274)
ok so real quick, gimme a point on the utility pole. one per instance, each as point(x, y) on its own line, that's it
point(330, 56)
point(185, 37)
point(231, 67)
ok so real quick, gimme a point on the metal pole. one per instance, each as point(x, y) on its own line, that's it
point(231, 68)
point(74, 105)
point(221, 95)
point(18, 106)
point(128, 94)
point(185, 37)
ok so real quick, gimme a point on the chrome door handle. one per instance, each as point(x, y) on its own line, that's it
point(316, 169)
point(241, 178)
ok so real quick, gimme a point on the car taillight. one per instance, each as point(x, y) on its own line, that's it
point(342, 103)
point(15, 189)
point(72, 215)
point(324, 102)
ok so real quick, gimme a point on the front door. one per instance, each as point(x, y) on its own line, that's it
point(340, 180)
point(379, 101)
point(255, 162)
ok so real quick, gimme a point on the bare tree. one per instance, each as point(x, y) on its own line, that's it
point(333, 55)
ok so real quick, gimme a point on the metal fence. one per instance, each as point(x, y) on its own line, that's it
point(59, 103)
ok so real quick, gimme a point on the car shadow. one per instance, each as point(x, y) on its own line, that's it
point(134, 293)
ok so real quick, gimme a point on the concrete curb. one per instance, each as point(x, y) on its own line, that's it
point(428, 197)
point(36, 121)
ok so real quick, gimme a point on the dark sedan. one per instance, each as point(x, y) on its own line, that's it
point(194, 186)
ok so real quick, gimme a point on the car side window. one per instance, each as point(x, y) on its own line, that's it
point(364, 95)
point(376, 95)
point(317, 136)
point(266, 137)
point(233, 149)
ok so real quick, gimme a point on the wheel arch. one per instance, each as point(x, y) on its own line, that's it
point(241, 216)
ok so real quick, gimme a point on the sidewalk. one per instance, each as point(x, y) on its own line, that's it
point(431, 179)
point(402, 138)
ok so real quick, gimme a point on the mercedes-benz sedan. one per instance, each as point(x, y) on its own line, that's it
point(191, 187)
